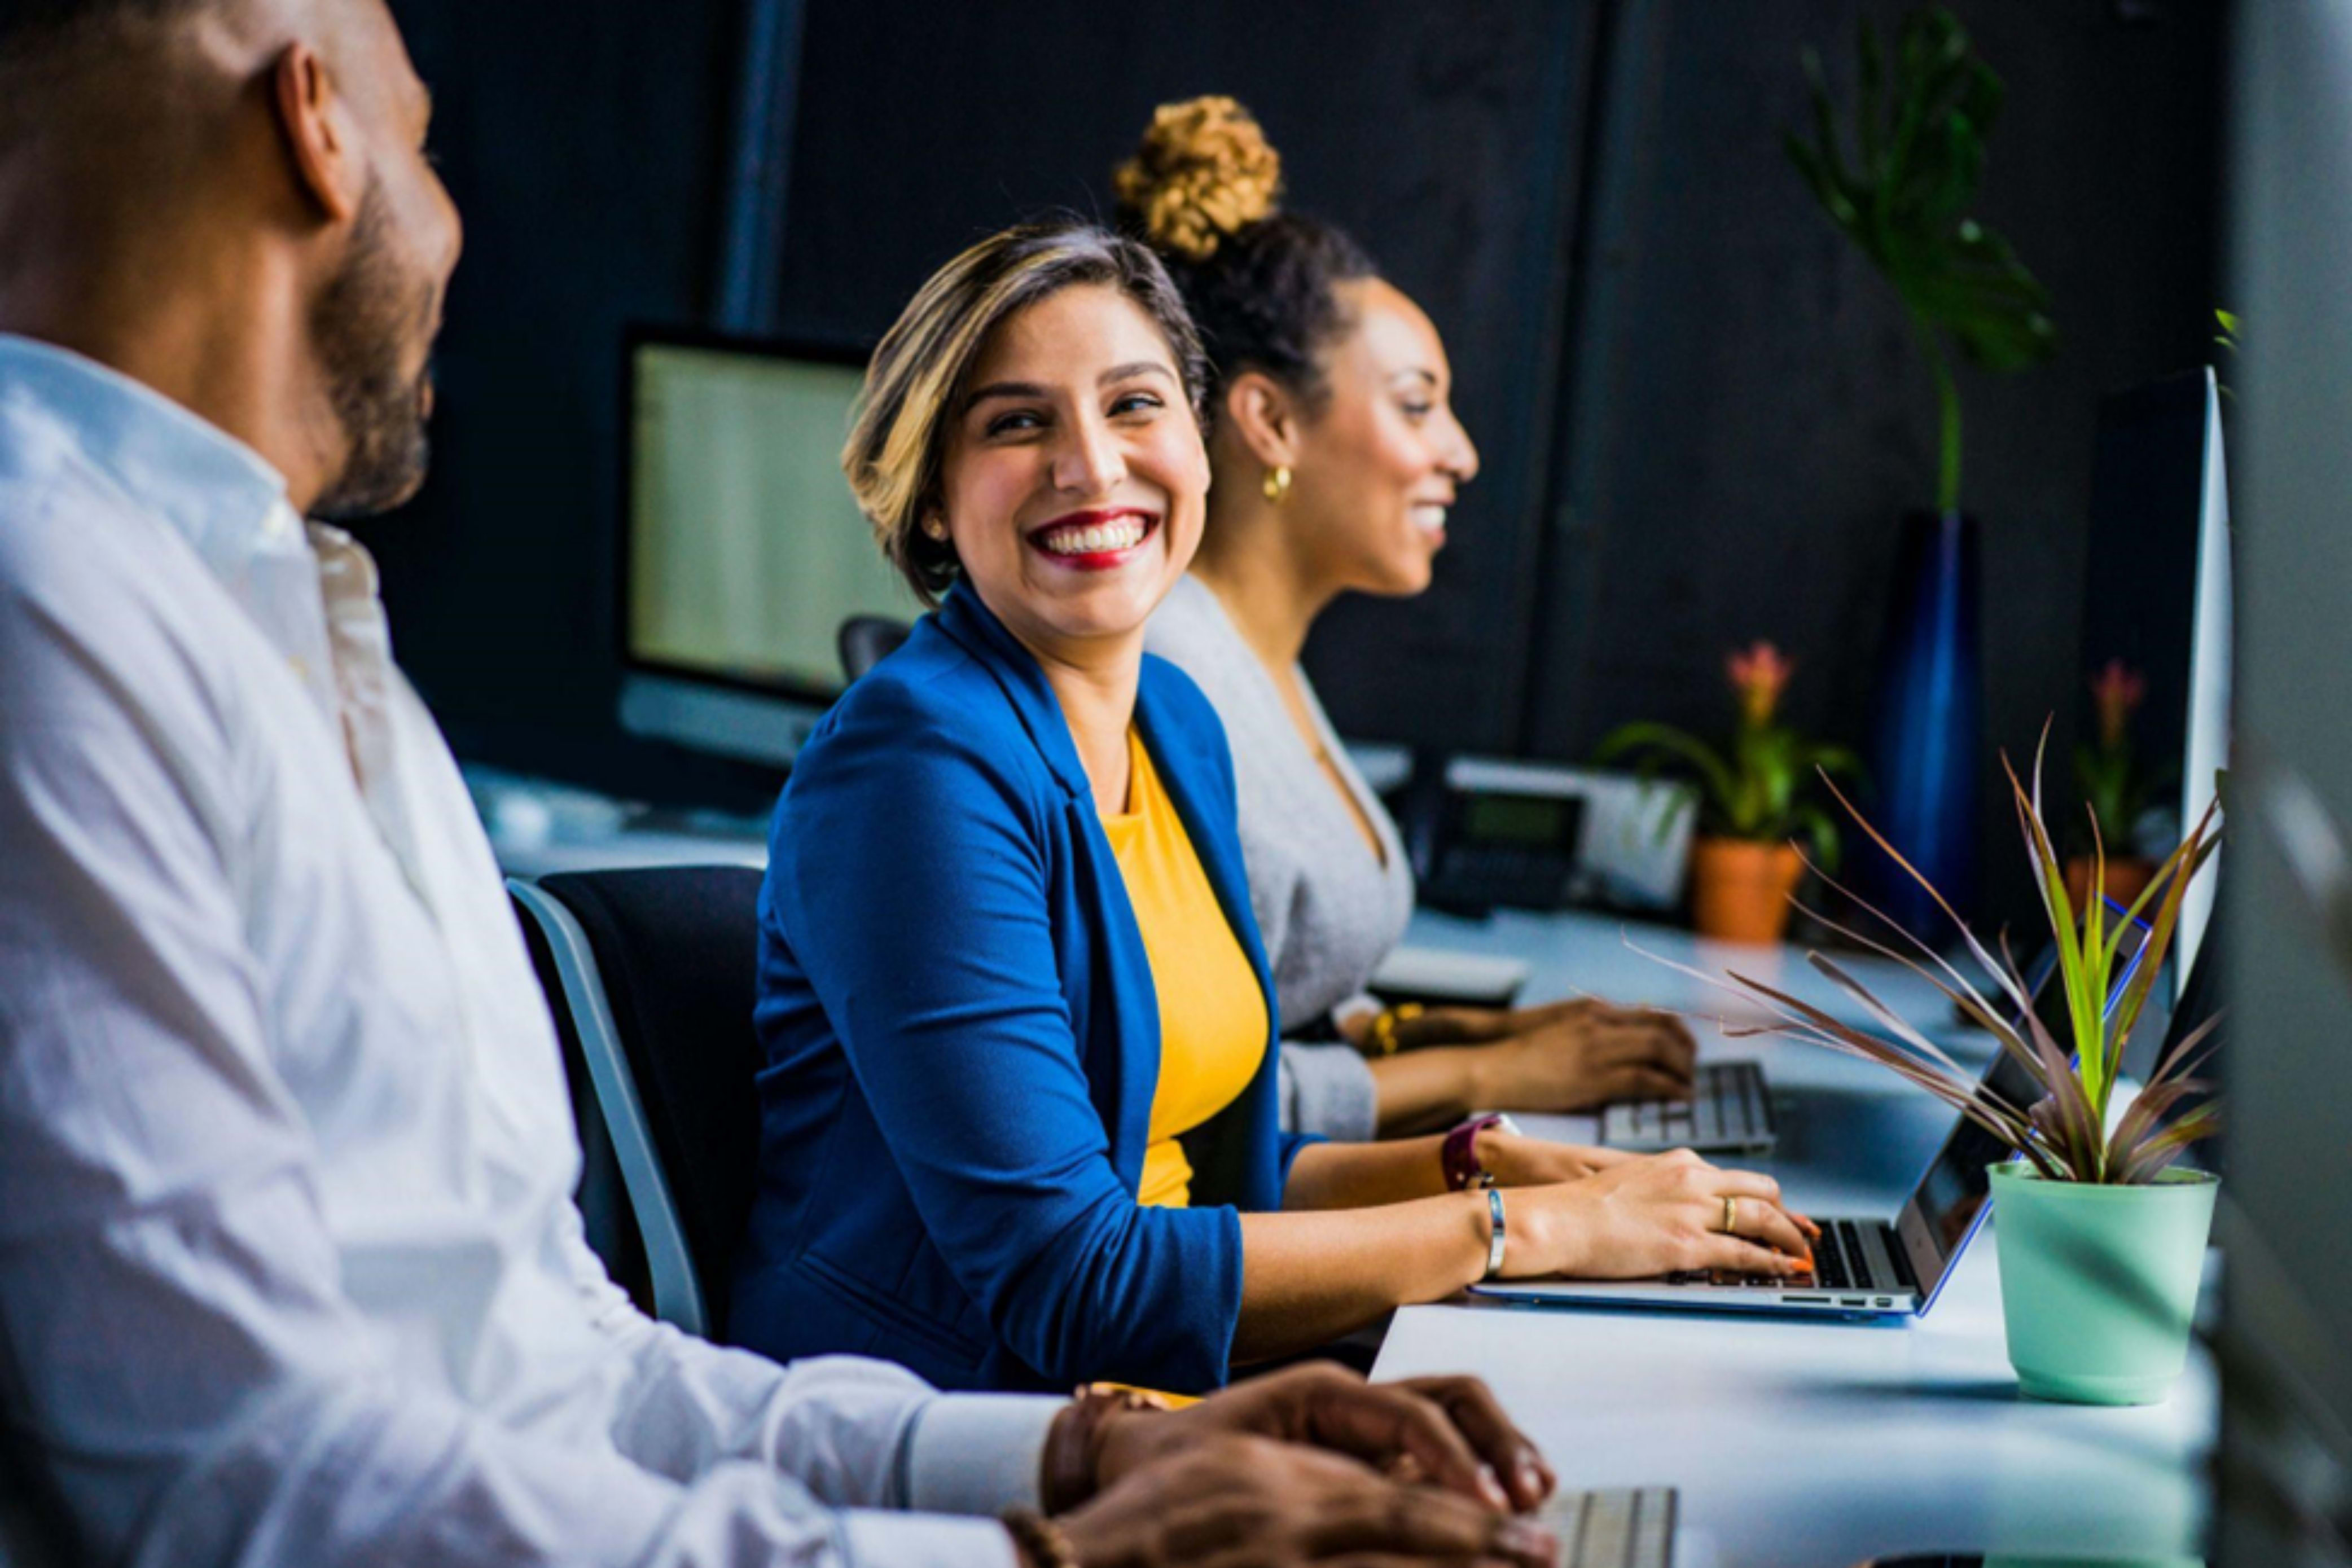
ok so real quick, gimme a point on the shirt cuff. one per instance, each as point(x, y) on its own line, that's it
point(872, 1538)
point(1330, 1090)
point(978, 1453)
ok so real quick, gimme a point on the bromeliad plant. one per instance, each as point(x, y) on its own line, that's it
point(1751, 792)
point(2064, 1133)
point(2116, 785)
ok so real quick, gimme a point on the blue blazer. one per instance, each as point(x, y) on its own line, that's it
point(962, 1041)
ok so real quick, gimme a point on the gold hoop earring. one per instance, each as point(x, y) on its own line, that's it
point(1277, 483)
point(937, 530)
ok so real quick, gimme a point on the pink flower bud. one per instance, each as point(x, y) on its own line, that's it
point(1758, 674)
point(2115, 691)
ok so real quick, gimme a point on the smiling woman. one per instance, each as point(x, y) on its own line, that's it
point(1018, 1105)
point(1071, 495)
point(1337, 459)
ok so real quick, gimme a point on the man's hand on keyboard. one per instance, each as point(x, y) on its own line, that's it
point(1241, 1502)
point(1448, 1431)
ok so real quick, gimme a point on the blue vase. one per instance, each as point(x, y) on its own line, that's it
point(1927, 728)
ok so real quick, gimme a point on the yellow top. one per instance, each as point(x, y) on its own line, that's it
point(1213, 1023)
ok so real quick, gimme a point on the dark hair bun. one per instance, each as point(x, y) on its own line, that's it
point(1203, 174)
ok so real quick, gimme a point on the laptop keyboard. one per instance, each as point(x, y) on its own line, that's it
point(1618, 1528)
point(1728, 1109)
point(1837, 1257)
point(1843, 1260)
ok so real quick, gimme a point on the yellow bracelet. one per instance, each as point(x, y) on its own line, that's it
point(1383, 1037)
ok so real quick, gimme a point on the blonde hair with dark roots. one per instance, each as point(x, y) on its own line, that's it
point(898, 438)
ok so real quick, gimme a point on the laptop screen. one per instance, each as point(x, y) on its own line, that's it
point(1951, 1198)
point(1955, 1187)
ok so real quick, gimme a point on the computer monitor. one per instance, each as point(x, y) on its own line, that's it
point(2157, 594)
point(741, 553)
point(2284, 1460)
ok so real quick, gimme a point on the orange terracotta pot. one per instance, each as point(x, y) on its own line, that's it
point(1739, 890)
point(2126, 879)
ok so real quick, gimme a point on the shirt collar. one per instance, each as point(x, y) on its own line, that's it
point(212, 488)
point(965, 617)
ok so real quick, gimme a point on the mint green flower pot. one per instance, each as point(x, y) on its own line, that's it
point(2098, 1283)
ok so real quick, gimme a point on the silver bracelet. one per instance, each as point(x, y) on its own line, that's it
point(1495, 1235)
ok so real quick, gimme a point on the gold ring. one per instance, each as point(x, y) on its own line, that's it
point(1730, 1215)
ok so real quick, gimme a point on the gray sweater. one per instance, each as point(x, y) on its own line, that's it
point(1329, 910)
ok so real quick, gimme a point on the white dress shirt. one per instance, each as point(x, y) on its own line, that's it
point(289, 1270)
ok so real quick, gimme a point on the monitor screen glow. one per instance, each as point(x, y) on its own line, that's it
point(746, 552)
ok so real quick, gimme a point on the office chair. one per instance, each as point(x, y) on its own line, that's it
point(33, 1532)
point(864, 641)
point(656, 970)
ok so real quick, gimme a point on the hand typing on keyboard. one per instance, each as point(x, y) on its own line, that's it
point(1653, 1215)
point(1568, 1056)
point(1240, 1498)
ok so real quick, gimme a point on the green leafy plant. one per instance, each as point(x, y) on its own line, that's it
point(2117, 786)
point(2064, 1133)
point(2231, 340)
point(1920, 120)
point(1753, 791)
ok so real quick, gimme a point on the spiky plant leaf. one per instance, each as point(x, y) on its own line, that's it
point(2063, 1134)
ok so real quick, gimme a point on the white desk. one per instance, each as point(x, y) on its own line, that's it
point(1795, 1443)
point(1800, 1443)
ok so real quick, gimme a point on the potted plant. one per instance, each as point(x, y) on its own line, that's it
point(2100, 1237)
point(1920, 118)
point(1744, 870)
point(2116, 787)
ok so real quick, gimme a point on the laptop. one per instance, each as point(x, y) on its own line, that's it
point(1729, 1112)
point(1865, 1270)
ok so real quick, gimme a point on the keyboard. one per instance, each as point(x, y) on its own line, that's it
point(1728, 1110)
point(1631, 1527)
point(1838, 1257)
point(1850, 1255)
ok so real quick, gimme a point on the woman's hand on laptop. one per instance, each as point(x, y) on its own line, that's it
point(1660, 1214)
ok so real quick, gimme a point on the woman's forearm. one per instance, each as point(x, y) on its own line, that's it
point(1363, 1176)
point(1308, 1279)
point(1434, 1077)
point(1417, 1089)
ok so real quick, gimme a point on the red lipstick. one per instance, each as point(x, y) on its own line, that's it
point(1095, 539)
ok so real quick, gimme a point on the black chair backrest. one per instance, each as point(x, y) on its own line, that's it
point(677, 947)
point(864, 641)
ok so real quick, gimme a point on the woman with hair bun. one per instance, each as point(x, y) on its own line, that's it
point(1336, 458)
point(1018, 1121)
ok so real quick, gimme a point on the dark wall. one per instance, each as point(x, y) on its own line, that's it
point(1447, 137)
point(1749, 414)
point(586, 145)
point(1699, 411)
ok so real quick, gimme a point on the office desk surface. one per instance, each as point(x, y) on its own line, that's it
point(1810, 1444)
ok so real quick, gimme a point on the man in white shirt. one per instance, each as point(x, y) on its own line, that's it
point(288, 1267)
